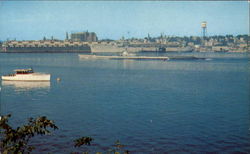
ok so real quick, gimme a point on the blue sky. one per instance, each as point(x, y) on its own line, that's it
point(27, 20)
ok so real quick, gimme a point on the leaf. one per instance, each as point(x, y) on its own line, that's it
point(16, 140)
point(82, 141)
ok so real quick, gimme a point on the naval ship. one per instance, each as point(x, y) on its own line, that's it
point(68, 46)
point(119, 47)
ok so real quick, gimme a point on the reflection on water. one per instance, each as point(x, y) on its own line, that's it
point(126, 64)
point(25, 86)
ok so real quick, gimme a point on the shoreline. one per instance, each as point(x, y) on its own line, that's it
point(152, 52)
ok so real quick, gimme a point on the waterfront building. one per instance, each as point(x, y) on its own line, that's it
point(45, 46)
point(84, 37)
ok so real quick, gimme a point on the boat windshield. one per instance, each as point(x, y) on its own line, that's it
point(24, 71)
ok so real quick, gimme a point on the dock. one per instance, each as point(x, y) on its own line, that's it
point(186, 58)
point(123, 57)
point(164, 58)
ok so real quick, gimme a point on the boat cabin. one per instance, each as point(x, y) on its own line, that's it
point(24, 71)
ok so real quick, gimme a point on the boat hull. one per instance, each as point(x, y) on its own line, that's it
point(27, 77)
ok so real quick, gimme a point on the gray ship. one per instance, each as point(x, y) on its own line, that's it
point(119, 47)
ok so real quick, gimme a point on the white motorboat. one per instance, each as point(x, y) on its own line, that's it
point(26, 75)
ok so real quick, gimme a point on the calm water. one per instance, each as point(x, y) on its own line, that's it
point(176, 106)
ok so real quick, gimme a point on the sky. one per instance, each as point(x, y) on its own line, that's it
point(32, 20)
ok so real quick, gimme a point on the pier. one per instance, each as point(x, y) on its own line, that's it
point(82, 56)
point(123, 57)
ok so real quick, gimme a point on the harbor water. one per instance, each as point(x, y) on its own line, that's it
point(150, 106)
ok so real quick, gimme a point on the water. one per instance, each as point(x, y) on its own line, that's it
point(176, 106)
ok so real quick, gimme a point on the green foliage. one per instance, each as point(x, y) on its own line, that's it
point(16, 140)
point(82, 141)
point(118, 148)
